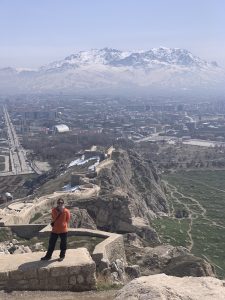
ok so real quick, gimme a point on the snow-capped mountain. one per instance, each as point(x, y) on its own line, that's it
point(111, 69)
point(141, 59)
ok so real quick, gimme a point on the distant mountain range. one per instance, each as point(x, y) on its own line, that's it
point(112, 70)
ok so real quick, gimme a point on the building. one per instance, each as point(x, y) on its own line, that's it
point(39, 115)
point(61, 128)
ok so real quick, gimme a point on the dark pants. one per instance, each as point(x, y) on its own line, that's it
point(52, 241)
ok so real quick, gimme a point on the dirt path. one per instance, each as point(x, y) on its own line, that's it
point(174, 190)
point(203, 214)
point(192, 214)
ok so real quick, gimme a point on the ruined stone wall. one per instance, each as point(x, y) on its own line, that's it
point(29, 210)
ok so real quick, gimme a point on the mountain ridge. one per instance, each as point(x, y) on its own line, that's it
point(115, 57)
point(111, 69)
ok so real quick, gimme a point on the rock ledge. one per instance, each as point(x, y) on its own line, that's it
point(163, 287)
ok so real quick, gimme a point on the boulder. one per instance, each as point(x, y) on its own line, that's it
point(132, 239)
point(188, 265)
point(154, 260)
point(164, 287)
point(22, 249)
point(133, 271)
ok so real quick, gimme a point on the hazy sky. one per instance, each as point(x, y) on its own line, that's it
point(35, 32)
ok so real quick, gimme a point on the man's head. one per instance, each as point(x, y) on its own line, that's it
point(60, 203)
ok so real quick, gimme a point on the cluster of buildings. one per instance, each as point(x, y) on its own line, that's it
point(132, 118)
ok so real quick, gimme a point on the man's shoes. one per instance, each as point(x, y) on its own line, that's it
point(45, 258)
point(61, 259)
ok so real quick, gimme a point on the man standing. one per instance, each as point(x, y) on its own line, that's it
point(60, 220)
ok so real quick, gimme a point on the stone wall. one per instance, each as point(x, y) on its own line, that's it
point(26, 272)
point(30, 209)
point(110, 249)
point(26, 231)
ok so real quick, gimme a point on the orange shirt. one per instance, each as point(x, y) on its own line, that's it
point(61, 224)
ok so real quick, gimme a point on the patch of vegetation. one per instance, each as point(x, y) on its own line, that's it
point(203, 193)
point(5, 234)
point(104, 283)
point(172, 231)
point(35, 217)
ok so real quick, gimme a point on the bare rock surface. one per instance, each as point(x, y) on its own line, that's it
point(164, 287)
point(81, 219)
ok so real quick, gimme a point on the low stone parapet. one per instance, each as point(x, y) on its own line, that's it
point(77, 272)
point(110, 249)
point(26, 231)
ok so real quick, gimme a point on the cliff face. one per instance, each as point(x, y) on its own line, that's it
point(130, 195)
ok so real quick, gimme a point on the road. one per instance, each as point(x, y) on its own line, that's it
point(18, 159)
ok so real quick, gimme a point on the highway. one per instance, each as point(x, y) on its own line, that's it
point(18, 159)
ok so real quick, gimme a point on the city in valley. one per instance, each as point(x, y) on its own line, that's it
point(34, 129)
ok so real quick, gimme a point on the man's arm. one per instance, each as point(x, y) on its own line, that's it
point(67, 216)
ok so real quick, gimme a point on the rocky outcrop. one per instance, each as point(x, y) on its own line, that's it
point(130, 196)
point(163, 287)
point(81, 219)
point(188, 265)
point(133, 240)
point(138, 178)
point(176, 261)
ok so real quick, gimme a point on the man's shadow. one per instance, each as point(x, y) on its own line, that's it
point(36, 264)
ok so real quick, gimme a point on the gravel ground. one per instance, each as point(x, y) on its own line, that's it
point(42, 295)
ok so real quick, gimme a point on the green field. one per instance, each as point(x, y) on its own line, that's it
point(202, 195)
